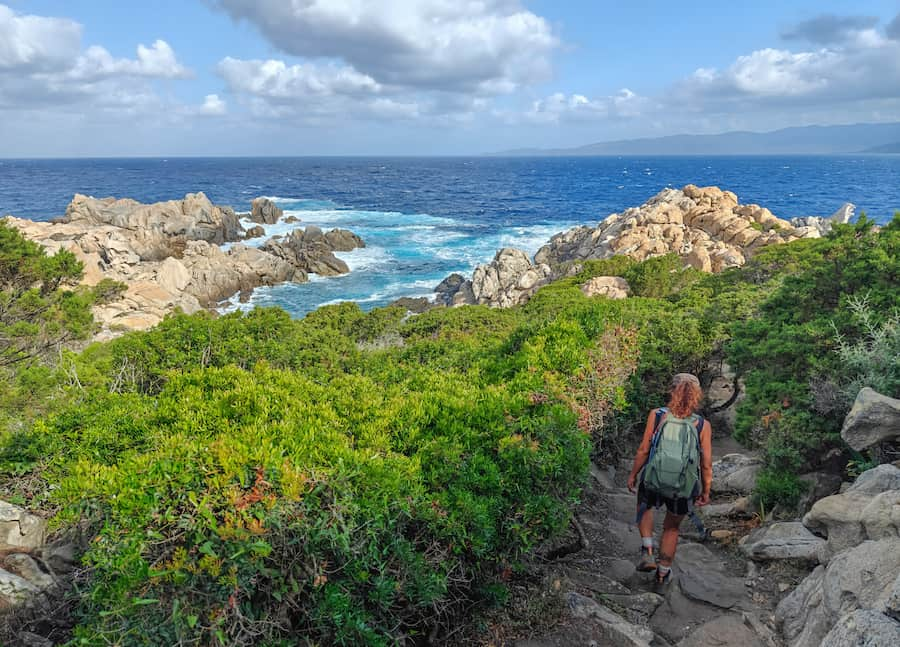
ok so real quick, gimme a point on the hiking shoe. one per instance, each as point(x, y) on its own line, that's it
point(663, 579)
point(648, 561)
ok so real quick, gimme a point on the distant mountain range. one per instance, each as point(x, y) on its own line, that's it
point(803, 140)
point(887, 148)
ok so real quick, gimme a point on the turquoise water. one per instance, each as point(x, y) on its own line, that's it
point(425, 218)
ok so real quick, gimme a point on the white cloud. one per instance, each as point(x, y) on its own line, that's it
point(313, 93)
point(157, 61)
point(213, 106)
point(576, 107)
point(277, 81)
point(864, 66)
point(36, 42)
point(42, 66)
point(483, 46)
point(855, 77)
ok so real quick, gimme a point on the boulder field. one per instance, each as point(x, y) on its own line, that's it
point(705, 226)
point(172, 255)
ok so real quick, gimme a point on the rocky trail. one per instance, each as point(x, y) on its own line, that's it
point(711, 599)
point(751, 582)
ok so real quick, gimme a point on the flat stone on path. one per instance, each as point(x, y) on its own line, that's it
point(620, 570)
point(618, 630)
point(703, 577)
point(725, 630)
point(643, 603)
point(677, 615)
point(596, 582)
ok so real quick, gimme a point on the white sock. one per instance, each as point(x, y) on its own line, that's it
point(663, 570)
point(647, 542)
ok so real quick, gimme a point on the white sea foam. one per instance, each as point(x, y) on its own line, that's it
point(365, 258)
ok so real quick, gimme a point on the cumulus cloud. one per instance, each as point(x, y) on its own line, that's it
point(865, 65)
point(854, 77)
point(156, 61)
point(312, 93)
point(212, 106)
point(42, 65)
point(486, 46)
point(576, 107)
point(829, 29)
point(34, 43)
point(277, 81)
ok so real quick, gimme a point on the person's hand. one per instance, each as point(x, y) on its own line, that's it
point(632, 483)
point(702, 500)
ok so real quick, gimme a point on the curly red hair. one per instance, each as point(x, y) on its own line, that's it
point(684, 398)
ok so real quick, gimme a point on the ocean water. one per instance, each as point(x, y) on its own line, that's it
point(423, 218)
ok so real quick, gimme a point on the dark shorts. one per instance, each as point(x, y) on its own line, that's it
point(654, 499)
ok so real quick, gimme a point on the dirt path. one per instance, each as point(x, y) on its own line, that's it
point(596, 596)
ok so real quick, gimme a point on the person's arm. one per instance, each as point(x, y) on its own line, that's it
point(705, 463)
point(643, 451)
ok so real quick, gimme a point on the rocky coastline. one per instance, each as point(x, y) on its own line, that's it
point(173, 255)
point(189, 254)
point(706, 226)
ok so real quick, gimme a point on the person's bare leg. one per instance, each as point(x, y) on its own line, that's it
point(669, 540)
point(645, 527)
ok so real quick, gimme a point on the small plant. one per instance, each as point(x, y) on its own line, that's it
point(777, 488)
point(859, 464)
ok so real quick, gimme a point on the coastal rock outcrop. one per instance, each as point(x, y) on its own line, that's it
point(821, 226)
point(156, 231)
point(265, 212)
point(612, 287)
point(169, 255)
point(705, 226)
point(508, 280)
point(311, 250)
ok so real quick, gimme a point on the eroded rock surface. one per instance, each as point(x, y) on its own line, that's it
point(24, 573)
point(873, 419)
point(868, 509)
point(783, 540)
point(265, 212)
point(861, 577)
point(19, 529)
point(168, 254)
point(706, 227)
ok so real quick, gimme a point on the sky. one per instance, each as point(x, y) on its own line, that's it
point(85, 78)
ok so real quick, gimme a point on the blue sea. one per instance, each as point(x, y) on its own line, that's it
point(423, 218)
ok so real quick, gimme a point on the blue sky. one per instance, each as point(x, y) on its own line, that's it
point(273, 77)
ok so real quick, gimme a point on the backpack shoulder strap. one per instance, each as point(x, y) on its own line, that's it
point(660, 414)
point(657, 426)
point(699, 427)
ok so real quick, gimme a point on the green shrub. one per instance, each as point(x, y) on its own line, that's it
point(788, 348)
point(778, 487)
point(244, 506)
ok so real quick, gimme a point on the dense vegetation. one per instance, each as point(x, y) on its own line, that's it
point(353, 477)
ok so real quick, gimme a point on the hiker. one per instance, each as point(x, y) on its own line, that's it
point(672, 467)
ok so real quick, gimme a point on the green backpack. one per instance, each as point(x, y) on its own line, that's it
point(673, 466)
